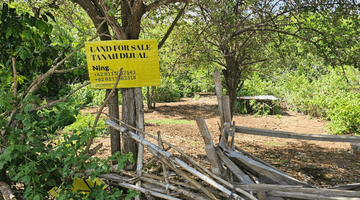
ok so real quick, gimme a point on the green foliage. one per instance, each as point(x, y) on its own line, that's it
point(84, 121)
point(326, 95)
point(87, 96)
point(31, 151)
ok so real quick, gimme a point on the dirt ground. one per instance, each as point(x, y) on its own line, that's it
point(322, 164)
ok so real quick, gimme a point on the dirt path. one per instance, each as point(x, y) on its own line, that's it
point(318, 163)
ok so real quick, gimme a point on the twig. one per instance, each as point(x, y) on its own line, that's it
point(69, 70)
point(61, 100)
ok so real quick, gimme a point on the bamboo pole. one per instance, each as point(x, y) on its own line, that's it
point(143, 190)
point(209, 147)
point(172, 187)
point(177, 160)
point(233, 168)
point(152, 176)
point(140, 125)
point(162, 164)
point(183, 174)
point(192, 161)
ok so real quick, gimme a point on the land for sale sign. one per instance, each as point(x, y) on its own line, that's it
point(138, 58)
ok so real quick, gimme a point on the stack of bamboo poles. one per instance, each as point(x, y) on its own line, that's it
point(234, 174)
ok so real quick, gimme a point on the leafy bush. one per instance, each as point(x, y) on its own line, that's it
point(31, 151)
point(328, 95)
point(82, 123)
point(88, 97)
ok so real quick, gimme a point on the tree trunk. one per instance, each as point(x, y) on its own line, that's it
point(94, 11)
point(232, 80)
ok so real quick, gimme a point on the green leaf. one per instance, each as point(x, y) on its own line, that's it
point(26, 179)
point(38, 197)
point(8, 33)
point(51, 16)
point(27, 108)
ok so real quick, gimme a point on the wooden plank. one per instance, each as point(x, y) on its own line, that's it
point(265, 173)
point(233, 168)
point(254, 158)
point(299, 136)
point(299, 192)
point(209, 147)
point(260, 98)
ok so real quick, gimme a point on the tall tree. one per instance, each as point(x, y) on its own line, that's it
point(240, 31)
point(104, 14)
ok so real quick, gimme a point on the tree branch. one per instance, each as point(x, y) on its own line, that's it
point(172, 25)
point(158, 3)
point(69, 70)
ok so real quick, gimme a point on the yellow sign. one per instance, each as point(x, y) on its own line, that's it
point(138, 58)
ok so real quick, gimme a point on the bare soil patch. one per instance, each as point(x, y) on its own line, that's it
point(322, 164)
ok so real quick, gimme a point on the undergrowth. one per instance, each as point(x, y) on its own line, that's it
point(329, 95)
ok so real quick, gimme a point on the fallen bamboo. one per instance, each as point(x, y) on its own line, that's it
point(233, 168)
point(170, 180)
point(158, 189)
point(162, 164)
point(177, 160)
point(265, 173)
point(184, 175)
point(209, 147)
point(140, 125)
point(172, 187)
point(192, 161)
point(287, 190)
point(143, 190)
point(299, 136)
point(254, 158)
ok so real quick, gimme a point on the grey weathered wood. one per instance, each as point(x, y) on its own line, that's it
point(140, 125)
point(354, 186)
point(265, 173)
point(233, 168)
point(114, 113)
point(299, 192)
point(299, 136)
point(178, 161)
point(226, 107)
point(6, 192)
point(254, 158)
point(232, 138)
point(218, 90)
point(209, 147)
point(128, 115)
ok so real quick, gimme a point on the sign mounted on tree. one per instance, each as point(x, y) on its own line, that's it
point(138, 58)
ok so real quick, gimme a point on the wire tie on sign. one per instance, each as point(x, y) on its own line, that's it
point(167, 186)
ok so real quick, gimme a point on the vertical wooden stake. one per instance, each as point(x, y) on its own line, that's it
point(163, 165)
point(140, 125)
point(114, 113)
point(218, 90)
point(209, 147)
